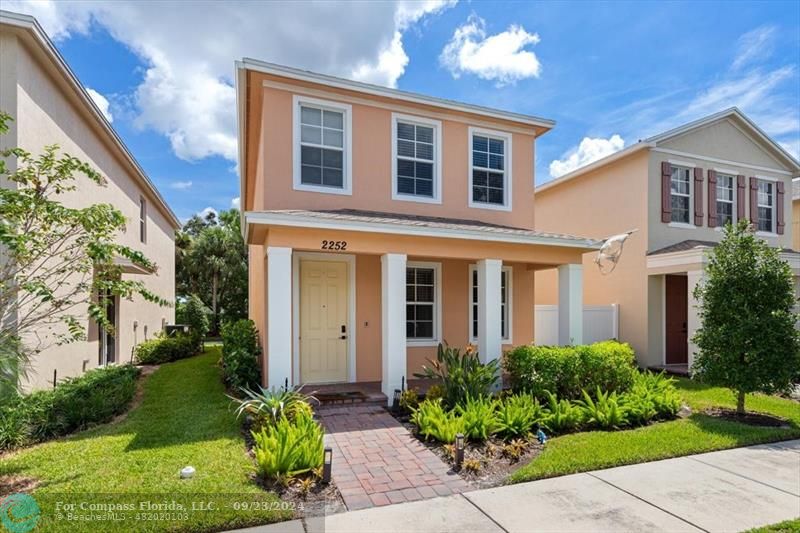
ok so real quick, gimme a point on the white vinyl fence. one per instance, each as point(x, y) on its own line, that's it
point(600, 322)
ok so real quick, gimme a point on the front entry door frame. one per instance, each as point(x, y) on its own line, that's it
point(351, 309)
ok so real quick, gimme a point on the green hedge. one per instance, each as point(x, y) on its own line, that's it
point(567, 370)
point(165, 349)
point(240, 351)
point(93, 398)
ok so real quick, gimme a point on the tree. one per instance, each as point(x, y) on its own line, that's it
point(58, 262)
point(747, 341)
point(194, 314)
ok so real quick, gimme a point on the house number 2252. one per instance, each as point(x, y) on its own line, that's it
point(334, 245)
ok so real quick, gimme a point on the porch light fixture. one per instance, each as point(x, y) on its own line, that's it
point(327, 461)
point(459, 450)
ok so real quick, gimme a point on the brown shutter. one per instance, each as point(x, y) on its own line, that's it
point(712, 198)
point(779, 200)
point(698, 196)
point(754, 200)
point(666, 197)
point(739, 197)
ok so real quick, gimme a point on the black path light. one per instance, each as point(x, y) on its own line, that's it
point(459, 450)
point(327, 461)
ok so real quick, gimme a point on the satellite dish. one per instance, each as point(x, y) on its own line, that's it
point(610, 252)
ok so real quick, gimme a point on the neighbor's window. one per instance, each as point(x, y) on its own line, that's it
point(505, 303)
point(766, 206)
point(489, 183)
point(421, 303)
point(321, 146)
point(415, 159)
point(142, 220)
point(681, 194)
point(725, 196)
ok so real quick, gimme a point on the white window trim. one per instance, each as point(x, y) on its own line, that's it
point(437, 158)
point(437, 304)
point(690, 224)
point(347, 149)
point(508, 339)
point(142, 220)
point(773, 232)
point(734, 206)
point(507, 176)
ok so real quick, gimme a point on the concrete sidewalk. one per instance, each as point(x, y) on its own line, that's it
point(731, 490)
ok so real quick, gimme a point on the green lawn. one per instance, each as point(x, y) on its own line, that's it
point(184, 419)
point(581, 452)
point(789, 526)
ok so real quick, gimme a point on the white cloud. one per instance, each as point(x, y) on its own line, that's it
point(501, 57)
point(180, 185)
point(187, 92)
point(753, 46)
point(236, 203)
point(204, 213)
point(101, 102)
point(588, 151)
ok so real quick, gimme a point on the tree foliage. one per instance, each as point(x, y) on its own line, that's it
point(56, 259)
point(747, 341)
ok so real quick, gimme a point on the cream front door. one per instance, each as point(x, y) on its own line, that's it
point(324, 331)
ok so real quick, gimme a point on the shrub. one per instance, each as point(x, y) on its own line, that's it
point(165, 349)
point(561, 415)
point(409, 400)
point(433, 421)
point(240, 351)
point(289, 447)
point(270, 406)
point(567, 370)
point(76, 403)
point(462, 375)
point(605, 411)
point(478, 417)
point(517, 414)
point(434, 392)
point(195, 315)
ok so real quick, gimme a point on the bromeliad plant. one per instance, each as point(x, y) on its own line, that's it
point(288, 447)
point(433, 421)
point(516, 415)
point(462, 375)
point(561, 415)
point(605, 411)
point(479, 418)
point(271, 406)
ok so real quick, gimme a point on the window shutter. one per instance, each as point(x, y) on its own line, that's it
point(739, 197)
point(698, 196)
point(753, 200)
point(712, 198)
point(779, 201)
point(666, 198)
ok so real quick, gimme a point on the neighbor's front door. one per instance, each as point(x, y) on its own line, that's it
point(324, 329)
point(677, 310)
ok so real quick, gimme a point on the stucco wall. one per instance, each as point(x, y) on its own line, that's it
point(45, 115)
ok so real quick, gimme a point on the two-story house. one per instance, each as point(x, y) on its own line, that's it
point(381, 223)
point(49, 105)
point(678, 189)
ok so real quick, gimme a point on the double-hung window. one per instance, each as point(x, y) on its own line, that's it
point(489, 169)
point(505, 304)
point(766, 206)
point(322, 146)
point(422, 302)
point(416, 159)
point(726, 190)
point(680, 194)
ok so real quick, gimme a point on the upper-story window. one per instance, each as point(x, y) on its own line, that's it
point(416, 158)
point(489, 169)
point(322, 154)
point(766, 206)
point(726, 192)
point(680, 194)
point(142, 220)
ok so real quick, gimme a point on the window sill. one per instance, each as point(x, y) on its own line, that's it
point(422, 343)
point(681, 225)
point(474, 341)
point(321, 189)
point(491, 207)
point(767, 234)
point(417, 199)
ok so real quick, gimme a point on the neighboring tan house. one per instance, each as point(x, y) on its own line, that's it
point(50, 106)
point(382, 223)
point(677, 189)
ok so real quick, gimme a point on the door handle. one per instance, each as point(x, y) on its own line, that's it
point(344, 331)
point(343, 337)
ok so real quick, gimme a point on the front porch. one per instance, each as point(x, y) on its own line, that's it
point(366, 300)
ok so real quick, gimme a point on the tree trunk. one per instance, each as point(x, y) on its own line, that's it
point(740, 403)
point(214, 301)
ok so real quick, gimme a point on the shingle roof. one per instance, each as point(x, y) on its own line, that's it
point(402, 219)
point(691, 244)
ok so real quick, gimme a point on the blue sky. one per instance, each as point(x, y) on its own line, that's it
point(608, 73)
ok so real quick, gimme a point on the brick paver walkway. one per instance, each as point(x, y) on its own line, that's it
point(376, 461)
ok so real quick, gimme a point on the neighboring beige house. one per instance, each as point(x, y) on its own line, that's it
point(382, 223)
point(677, 188)
point(50, 106)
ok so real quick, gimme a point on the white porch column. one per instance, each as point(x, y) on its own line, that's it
point(279, 316)
point(570, 304)
point(393, 322)
point(489, 309)
point(694, 277)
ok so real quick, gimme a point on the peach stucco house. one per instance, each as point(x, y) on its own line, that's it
point(381, 223)
point(678, 189)
point(50, 106)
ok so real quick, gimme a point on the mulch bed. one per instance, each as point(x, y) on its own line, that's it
point(751, 419)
